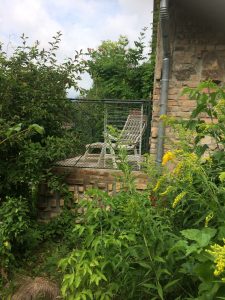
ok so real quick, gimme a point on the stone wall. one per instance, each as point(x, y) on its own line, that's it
point(79, 180)
point(197, 53)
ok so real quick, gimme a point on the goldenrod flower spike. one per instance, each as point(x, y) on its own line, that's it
point(167, 191)
point(218, 252)
point(208, 218)
point(169, 155)
point(178, 199)
point(157, 186)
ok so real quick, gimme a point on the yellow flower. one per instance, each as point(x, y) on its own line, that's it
point(169, 155)
point(157, 185)
point(7, 245)
point(169, 188)
point(218, 252)
point(178, 199)
point(178, 168)
point(208, 218)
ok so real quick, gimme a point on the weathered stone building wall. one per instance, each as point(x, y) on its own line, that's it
point(80, 180)
point(197, 44)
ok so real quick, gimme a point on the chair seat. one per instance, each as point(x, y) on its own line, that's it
point(128, 139)
point(101, 145)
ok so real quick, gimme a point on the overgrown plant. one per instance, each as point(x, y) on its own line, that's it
point(120, 250)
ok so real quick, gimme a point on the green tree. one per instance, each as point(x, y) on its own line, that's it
point(119, 71)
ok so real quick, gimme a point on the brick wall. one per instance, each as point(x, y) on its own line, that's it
point(79, 180)
point(197, 54)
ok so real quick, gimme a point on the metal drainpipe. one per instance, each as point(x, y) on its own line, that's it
point(164, 23)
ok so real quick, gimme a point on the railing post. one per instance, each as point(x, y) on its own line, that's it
point(140, 142)
point(105, 131)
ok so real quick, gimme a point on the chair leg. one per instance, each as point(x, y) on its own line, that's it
point(138, 158)
point(102, 157)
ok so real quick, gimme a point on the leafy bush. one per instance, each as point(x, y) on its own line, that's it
point(121, 250)
point(33, 88)
point(13, 224)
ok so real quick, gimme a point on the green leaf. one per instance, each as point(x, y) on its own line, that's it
point(17, 127)
point(222, 176)
point(144, 264)
point(159, 259)
point(160, 290)
point(171, 283)
point(149, 286)
point(202, 237)
point(37, 128)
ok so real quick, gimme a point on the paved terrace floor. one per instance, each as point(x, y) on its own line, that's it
point(94, 161)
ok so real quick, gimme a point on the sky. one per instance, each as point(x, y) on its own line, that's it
point(83, 23)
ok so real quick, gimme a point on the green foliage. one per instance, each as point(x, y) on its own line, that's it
point(33, 113)
point(210, 102)
point(163, 244)
point(60, 228)
point(34, 133)
point(192, 186)
point(13, 224)
point(119, 71)
point(121, 247)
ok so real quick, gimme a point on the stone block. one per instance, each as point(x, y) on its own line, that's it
point(61, 202)
point(71, 188)
point(220, 47)
point(81, 189)
point(212, 47)
point(54, 214)
point(154, 132)
point(42, 204)
point(88, 186)
point(118, 186)
point(53, 202)
point(141, 186)
point(110, 186)
point(102, 185)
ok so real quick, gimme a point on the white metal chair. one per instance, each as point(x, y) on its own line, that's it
point(129, 138)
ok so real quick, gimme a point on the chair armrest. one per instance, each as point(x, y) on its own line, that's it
point(110, 137)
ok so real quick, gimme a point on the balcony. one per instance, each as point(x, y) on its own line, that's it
point(109, 128)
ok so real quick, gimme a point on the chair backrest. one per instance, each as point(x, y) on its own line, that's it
point(133, 128)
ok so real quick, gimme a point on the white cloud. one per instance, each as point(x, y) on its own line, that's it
point(84, 23)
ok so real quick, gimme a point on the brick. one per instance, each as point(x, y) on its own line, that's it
point(53, 203)
point(54, 214)
point(110, 186)
point(118, 186)
point(154, 132)
point(172, 103)
point(88, 186)
point(102, 185)
point(71, 188)
point(141, 186)
point(220, 47)
point(80, 189)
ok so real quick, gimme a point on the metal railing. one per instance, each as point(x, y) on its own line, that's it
point(92, 121)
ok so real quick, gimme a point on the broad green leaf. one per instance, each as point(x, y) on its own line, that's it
point(202, 237)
